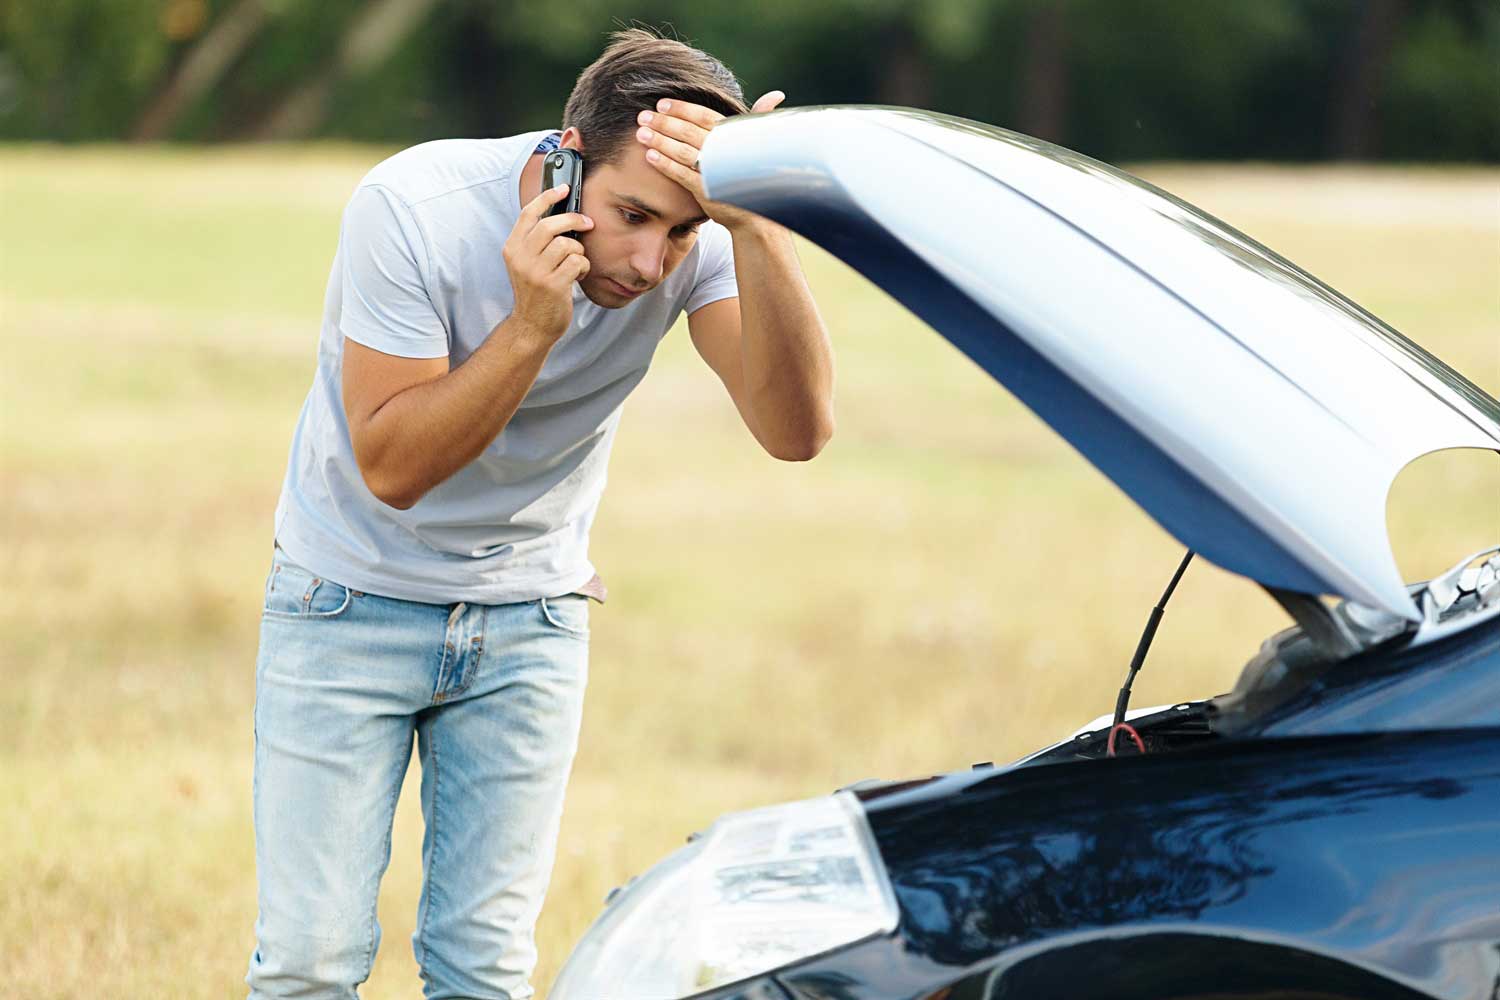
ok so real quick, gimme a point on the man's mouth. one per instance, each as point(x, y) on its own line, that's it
point(629, 293)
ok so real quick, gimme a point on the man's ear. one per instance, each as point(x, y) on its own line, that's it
point(571, 139)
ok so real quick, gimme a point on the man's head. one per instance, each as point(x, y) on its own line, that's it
point(644, 222)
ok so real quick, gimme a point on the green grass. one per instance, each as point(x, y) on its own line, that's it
point(948, 583)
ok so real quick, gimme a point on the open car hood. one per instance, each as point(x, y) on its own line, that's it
point(1258, 415)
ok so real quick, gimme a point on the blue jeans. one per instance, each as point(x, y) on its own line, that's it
point(343, 683)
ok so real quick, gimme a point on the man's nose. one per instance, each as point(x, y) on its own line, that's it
point(648, 259)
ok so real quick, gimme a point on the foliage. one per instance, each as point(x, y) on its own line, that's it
point(1137, 79)
point(1444, 93)
point(77, 69)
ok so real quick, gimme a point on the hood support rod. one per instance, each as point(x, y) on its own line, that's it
point(1123, 700)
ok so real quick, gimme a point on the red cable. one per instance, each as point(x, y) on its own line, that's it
point(1139, 743)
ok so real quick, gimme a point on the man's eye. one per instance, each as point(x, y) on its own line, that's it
point(689, 231)
point(633, 218)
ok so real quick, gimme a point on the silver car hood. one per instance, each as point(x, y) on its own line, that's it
point(1258, 415)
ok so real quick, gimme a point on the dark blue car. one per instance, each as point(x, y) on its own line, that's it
point(1328, 829)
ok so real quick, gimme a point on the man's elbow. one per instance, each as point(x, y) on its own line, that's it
point(398, 501)
point(388, 489)
point(396, 497)
point(804, 447)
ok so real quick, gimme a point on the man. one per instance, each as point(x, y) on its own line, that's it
point(431, 569)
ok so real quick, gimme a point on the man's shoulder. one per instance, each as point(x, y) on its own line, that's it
point(714, 240)
point(447, 167)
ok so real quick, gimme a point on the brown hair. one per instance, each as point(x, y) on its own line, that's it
point(634, 72)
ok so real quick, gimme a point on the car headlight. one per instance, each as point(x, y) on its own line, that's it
point(759, 890)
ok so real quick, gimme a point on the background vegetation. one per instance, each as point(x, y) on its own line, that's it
point(1117, 79)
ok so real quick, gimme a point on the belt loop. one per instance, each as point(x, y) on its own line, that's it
point(458, 611)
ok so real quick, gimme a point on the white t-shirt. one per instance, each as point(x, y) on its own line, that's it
point(419, 274)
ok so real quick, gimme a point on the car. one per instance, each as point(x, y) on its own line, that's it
point(1330, 828)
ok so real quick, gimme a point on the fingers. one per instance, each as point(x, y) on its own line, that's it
point(559, 249)
point(538, 248)
point(686, 176)
point(684, 153)
point(673, 135)
point(677, 128)
point(705, 118)
point(567, 222)
point(543, 263)
point(555, 225)
point(767, 102)
point(539, 206)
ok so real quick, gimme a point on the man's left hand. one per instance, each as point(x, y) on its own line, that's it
point(673, 134)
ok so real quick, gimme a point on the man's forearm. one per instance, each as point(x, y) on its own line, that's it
point(786, 356)
point(424, 434)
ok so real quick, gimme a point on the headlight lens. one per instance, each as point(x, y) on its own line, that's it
point(759, 890)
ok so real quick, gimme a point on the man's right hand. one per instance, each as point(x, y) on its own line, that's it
point(414, 422)
point(544, 262)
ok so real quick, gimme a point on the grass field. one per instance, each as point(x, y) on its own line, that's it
point(948, 583)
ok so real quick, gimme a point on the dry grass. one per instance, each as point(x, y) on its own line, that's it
point(948, 583)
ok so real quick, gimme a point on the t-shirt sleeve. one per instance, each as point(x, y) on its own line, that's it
point(715, 269)
point(384, 287)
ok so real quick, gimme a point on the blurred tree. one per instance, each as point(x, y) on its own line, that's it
point(204, 66)
point(1044, 91)
point(1118, 79)
point(80, 68)
point(1164, 79)
point(372, 35)
point(1353, 119)
point(1441, 98)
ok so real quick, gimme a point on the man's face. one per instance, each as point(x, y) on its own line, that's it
point(644, 224)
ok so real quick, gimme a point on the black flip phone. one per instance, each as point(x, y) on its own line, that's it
point(564, 166)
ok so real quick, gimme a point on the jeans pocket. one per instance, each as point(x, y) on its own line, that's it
point(294, 592)
point(569, 613)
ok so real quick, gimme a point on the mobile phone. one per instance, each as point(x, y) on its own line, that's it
point(564, 166)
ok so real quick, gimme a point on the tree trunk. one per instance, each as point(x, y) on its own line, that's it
point(1354, 123)
point(203, 67)
point(907, 80)
point(374, 33)
point(1044, 77)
